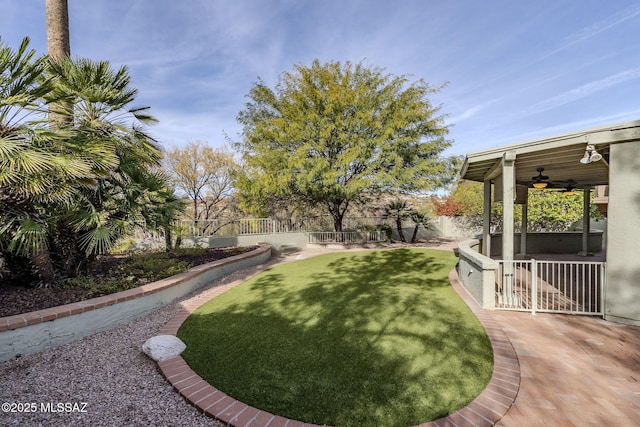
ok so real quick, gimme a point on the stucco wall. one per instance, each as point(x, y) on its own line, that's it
point(477, 273)
point(622, 297)
point(565, 242)
point(279, 241)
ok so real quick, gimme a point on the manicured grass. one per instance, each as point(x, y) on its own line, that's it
point(375, 338)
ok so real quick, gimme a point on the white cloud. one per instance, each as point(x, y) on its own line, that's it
point(598, 27)
point(584, 91)
point(588, 122)
point(472, 111)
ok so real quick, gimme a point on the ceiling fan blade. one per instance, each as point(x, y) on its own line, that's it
point(540, 177)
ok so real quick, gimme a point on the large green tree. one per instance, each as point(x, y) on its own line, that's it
point(335, 134)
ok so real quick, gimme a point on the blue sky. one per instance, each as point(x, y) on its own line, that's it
point(516, 69)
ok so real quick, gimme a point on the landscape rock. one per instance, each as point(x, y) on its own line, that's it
point(163, 347)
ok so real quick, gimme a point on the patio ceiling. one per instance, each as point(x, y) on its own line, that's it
point(559, 156)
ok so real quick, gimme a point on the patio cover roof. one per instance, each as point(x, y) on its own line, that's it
point(559, 155)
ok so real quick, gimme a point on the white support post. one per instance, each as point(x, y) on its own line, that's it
point(486, 219)
point(586, 220)
point(603, 287)
point(524, 226)
point(508, 196)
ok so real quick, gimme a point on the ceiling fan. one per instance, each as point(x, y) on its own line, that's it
point(569, 189)
point(540, 181)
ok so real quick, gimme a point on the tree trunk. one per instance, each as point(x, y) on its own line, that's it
point(337, 223)
point(57, 12)
point(337, 214)
point(42, 264)
point(167, 238)
point(415, 233)
point(58, 47)
point(65, 245)
point(399, 227)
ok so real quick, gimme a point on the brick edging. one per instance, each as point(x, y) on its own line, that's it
point(201, 394)
point(485, 410)
point(498, 396)
point(61, 311)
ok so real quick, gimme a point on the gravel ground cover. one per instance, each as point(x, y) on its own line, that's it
point(100, 380)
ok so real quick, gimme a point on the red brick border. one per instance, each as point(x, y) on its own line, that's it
point(485, 410)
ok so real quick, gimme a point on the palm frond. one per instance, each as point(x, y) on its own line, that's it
point(98, 240)
point(29, 237)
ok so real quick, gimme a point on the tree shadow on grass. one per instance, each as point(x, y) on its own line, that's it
point(374, 338)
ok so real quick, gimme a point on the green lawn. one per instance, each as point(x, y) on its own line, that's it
point(374, 338)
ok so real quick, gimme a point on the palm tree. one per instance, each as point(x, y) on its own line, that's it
point(22, 87)
point(163, 206)
point(37, 169)
point(419, 219)
point(69, 191)
point(398, 210)
point(58, 46)
point(103, 121)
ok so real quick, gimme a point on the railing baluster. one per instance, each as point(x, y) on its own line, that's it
point(568, 276)
point(534, 286)
point(343, 237)
point(588, 282)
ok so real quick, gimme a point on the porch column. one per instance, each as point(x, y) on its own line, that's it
point(486, 219)
point(586, 222)
point(508, 195)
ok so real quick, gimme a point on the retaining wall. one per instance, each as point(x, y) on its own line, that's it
point(445, 227)
point(43, 329)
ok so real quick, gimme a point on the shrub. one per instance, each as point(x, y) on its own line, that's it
point(135, 270)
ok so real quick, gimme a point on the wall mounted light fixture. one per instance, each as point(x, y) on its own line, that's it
point(590, 155)
point(586, 158)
